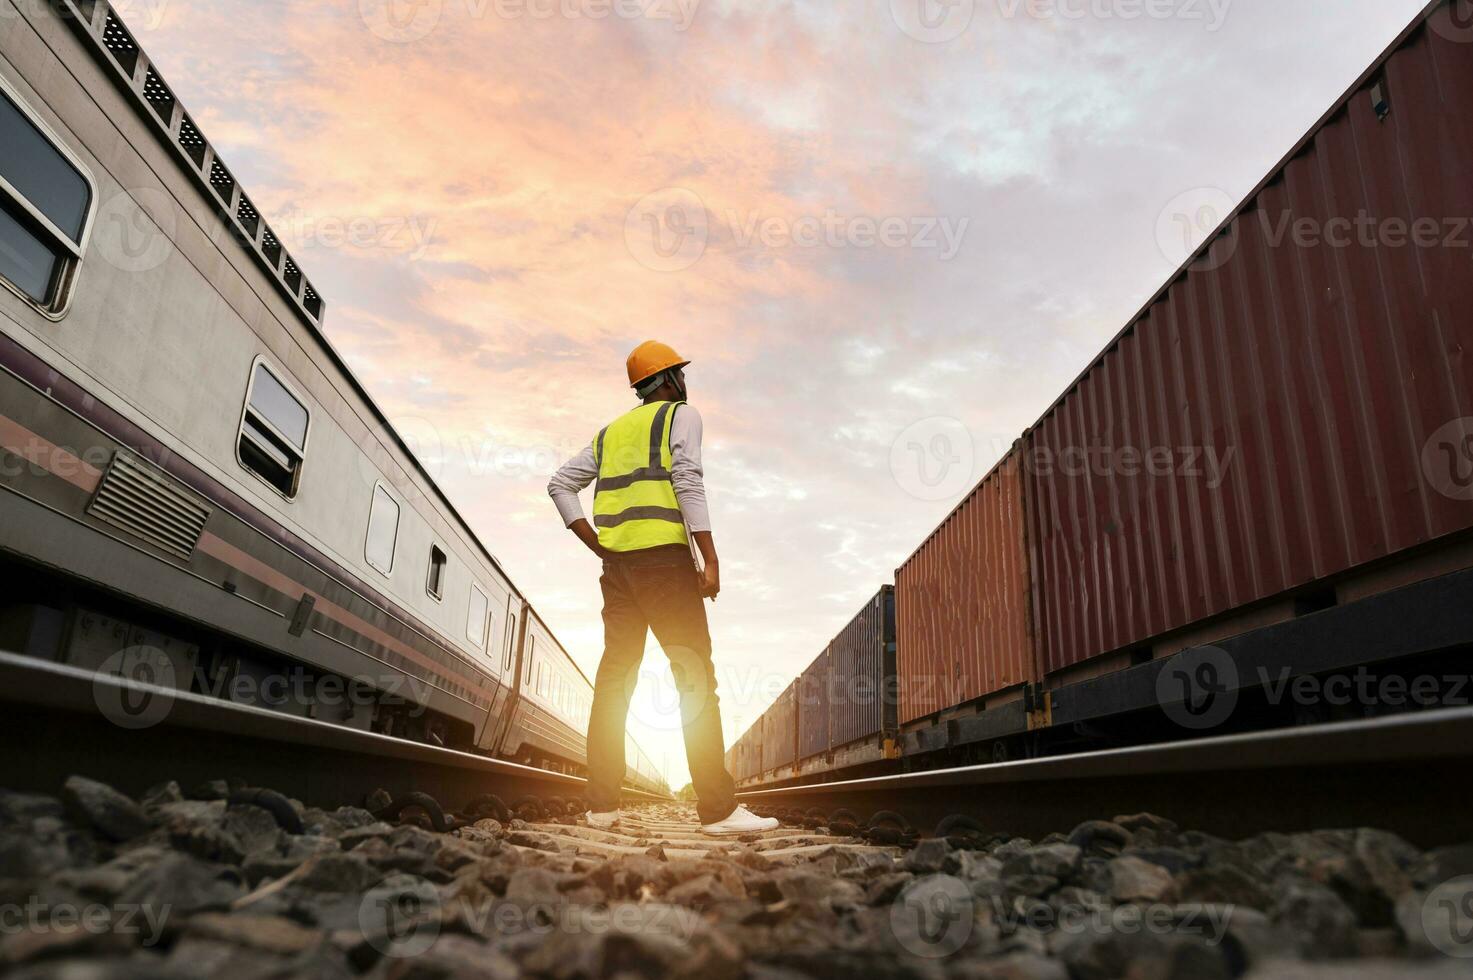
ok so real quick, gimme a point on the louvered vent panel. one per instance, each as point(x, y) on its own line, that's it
point(147, 503)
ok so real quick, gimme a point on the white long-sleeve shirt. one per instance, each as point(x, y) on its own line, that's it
point(686, 474)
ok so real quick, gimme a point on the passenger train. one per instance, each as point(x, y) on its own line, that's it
point(190, 475)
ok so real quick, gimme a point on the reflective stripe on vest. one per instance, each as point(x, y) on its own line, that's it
point(634, 505)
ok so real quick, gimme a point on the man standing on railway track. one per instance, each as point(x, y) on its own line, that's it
point(649, 505)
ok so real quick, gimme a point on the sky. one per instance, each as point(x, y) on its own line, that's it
point(888, 233)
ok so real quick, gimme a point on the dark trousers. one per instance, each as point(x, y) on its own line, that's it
point(663, 595)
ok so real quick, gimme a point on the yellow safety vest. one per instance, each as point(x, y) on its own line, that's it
point(634, 505)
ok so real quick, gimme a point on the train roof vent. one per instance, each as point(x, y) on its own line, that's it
point(312, 302)
point(158, 95)
point(191, 140)
point(248, 216)
point(221, 180)
point(149, 504)
point(271, 248)
point(292, 275)
point(124, 49)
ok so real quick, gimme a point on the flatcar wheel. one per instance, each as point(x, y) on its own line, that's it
point(528, 808)
point(487, 805)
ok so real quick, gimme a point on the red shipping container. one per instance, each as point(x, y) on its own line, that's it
point(963, 625)
point(1319, 361)
point(861, 692)
point(814, 697)
point(780, 730)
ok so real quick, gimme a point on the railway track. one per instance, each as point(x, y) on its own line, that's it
point(1250, 855)
point(1394, 771)
point(136, 735)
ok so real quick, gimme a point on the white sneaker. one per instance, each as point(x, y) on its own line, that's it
point(602, 821)
point(741, 821)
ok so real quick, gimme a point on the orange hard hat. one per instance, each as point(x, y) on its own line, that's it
point(650, 358)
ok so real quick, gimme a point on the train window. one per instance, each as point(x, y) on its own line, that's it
point(475, 620)
point(273, 432)
point(509, 641)
point(383, 530)
point(45, 205)
point(435, 586)
point(531, 659)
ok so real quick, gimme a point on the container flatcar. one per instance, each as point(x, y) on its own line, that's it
point(1281, 429)
point(1319, 366)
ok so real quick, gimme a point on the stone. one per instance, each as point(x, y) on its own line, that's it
point(1438, 922)
point(653, 941)
point(267, 933)
point(19, 809)
point(699, 893)
point(1135, 880)
point(1075, 901)
point(1137, 952)
point(804, 887)
point(1256, 940)
point(928, 856)
point(1321, 921)
point(1050, 860)
point(1008, 850)
point(1015, 966)
point(254, 828)
point(454, 855)
point(1173, 859)
point(1362, 970)
point(289, 854)
point(1100, 838)
point(106, 881)
point(198, 827)
point(1442, 864)
point(156, 796)
point(886, 888)
point(1387, 860)
point(1223, 883)
point(26, 856)
point(354, 836)
point(184, 886)
point(213, 789)
point(974, 866)
point(58, 939)
point(339, 873)
point(454, 957)
point(1036, 886)
point(753, 859)
point(112, 814)
point(531, 886)
point(656, 852)
point(1145, 821)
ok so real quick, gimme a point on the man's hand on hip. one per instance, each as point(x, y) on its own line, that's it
point(589, 537)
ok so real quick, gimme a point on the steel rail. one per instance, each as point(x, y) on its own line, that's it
point(1398, 772)
point(53, 724)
